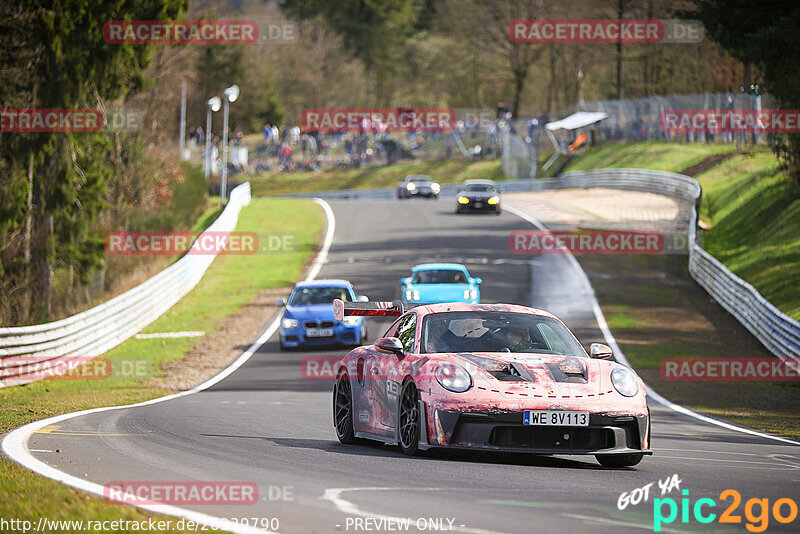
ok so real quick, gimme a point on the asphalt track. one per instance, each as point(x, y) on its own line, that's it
point(266, 424)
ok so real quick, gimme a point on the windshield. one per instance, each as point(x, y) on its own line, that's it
point(440, 276)
point(481, 188)
point(318, 295)
point(419, 179)
point(497, 332)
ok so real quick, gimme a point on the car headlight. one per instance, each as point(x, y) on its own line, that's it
point(435, 187)
point(453, 377)
point(412, 295)
point(351, 321)
point(470, 294)
point(411, 186)
point(463, 200)
point(624, 381)
point(289, 323)
point(493, 200)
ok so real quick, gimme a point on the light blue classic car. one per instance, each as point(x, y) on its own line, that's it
point(431, 283)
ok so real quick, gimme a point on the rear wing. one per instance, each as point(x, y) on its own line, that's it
point(342, 309)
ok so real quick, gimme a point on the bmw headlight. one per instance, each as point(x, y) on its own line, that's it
point(624, 381)
point(463, 200)
point(351, 321)
point(435, 187)
point(411, 186)
point(289, 323)
point(493, 200)
point(453, 377)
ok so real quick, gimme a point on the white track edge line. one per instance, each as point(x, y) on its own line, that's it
point(609, 337)
point(15, 444)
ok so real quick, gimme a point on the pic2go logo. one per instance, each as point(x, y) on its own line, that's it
point(783, 511)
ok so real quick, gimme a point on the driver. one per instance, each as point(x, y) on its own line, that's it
point(519, 338)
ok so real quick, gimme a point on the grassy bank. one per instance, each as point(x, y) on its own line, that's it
point(444, 172)
point(656, 311)
point(751, 210)
point(671, 157)
point(222, 291)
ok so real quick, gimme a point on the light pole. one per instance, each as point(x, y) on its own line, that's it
point(182, 139)
point(231, 94)
point(212, 105)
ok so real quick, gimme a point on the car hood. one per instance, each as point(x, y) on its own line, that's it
point(554, 372)
point(440, 292)
point(312, 311)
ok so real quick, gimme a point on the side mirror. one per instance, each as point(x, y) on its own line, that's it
point(404, 281)
point(479, 281)
point(280, 303)
point(389, 345)
point(600, 351)
point(362, 298)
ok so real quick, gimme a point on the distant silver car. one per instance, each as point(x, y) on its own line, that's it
point(418, 185)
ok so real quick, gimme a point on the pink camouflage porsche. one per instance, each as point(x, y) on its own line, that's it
point(492, 377)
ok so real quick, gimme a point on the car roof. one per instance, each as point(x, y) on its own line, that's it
point(480, 182)
point(439, 266)
point(425, 309)
point(324, 283)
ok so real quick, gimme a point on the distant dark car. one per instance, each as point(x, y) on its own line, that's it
point(418, 185)
point(479, 195)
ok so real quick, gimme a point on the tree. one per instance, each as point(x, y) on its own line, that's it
point(375, 31)
point(763, 34)
point(66, 64)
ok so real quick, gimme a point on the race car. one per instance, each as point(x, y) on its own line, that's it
point(418, 185)
point(440, 282)
point(490, 377)
point(477, 196)
point(308, 316)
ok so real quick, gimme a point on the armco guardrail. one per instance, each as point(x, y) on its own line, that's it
point(94, 331)
point(777, 331)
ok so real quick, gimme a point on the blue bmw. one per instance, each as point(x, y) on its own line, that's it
point(308, 316)
point(432, 283)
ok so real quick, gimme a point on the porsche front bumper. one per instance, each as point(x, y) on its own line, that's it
point(504, 431)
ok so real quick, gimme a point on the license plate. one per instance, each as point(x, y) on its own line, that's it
point(319, 332)
point(555, 418)
point(479, 204)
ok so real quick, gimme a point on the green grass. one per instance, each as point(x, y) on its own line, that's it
point(751, 208)
point(753, 212)
point(444, 172)
point(222, 291)
point(671, 157)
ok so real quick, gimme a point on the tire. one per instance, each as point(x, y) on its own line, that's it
point(408, 420)
point(343, 411)
point(619, 460)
